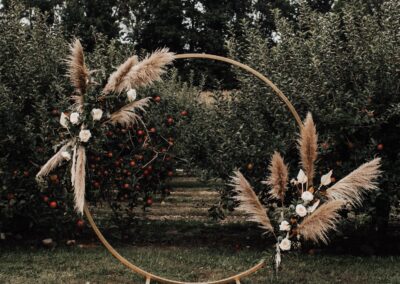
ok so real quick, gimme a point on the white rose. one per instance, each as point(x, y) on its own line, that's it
point(307, 196)
point(63, 120)
point(84, 135)
point(284, 226)
point(66, 155)
point(327, 178)
point(97, 113)
point(301, 177)
point(301, 210)
point(74, 117)
point(131, 94)
point(285, 244)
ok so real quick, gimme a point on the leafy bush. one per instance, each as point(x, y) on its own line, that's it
point(343, 67)
point(34, 90)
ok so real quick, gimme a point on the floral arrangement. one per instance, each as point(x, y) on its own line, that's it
point(305, 210)
point(98, 107)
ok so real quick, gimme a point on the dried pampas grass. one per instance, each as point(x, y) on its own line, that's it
point(316, 226)
point(127, 116)
point(80, 179)
point(53, 163)
point(146, 71)
point(308, 147)
point(249, 202)
point(116, 80)
point(278, 178)
point(352, 187)
point(78, 73)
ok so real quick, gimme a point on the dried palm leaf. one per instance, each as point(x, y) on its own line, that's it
point(278, 178)
point(116, 79)
point(127, 115)
point(249, 202)
point(147, 71)
point(80, 179)
point(77, 70)
point(54, 162)
point(308, 147)
point(316, 226)
point(352, 187)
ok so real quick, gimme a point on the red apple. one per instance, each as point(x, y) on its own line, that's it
point(149, 201)
point(80, 223)
point(170, 120)
point(53, 204)
point(379, 147)
point(132, 163)
point(157, 99)
point(184, 113)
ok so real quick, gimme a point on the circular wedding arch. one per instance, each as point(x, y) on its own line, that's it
point(235, 278)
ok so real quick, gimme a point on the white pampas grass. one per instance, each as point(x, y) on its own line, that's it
point(315, 227)
point(116, 80)
point(54, 162)
point(278, 178)
point(249, 202)
point(127, 115)
point(131, 75)
point(308, 147)
point(80, 179)
point(78, 73)
point(352, 187)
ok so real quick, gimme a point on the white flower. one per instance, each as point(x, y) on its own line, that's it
point(84, 135)
point(301, 210)
point(97, 113)
point(64, 120)
point(301, 177)
point(285, 244)
point(284, 226)
point(131, 94)
point(326, 179)
point(74, 117)
point(307, 196)
point(312, 208)
point(66, 155)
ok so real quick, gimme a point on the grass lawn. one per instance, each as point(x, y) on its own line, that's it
point(95, 265)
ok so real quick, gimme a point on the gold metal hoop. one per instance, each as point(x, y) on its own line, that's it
point(233, 279)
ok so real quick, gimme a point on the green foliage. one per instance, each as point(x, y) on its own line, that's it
point(343, 67)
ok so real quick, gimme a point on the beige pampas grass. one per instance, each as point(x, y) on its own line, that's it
point(116, 80)
point(308, 147)
point(78, 103)
point(77, 70)
point(352, 187)
point(278, 178)
point(315, 227)
point(80, 179)
point(249, 202)
point(53, 163)
point(141, 74)
point(127, 116)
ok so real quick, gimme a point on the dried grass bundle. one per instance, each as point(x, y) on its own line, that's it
point(249, 202)
point(78, 103)
point(80, 179)
point(352, 187)
point(116, 79)
point(127, 115)
point(147, 71)
point(308, 147)
point(53, 163)
point(77, 70)
point(278, 178)
point(316, 226)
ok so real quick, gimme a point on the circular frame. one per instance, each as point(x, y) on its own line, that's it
point(235, 278)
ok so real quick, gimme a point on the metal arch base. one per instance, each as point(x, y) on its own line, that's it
point(233, 279)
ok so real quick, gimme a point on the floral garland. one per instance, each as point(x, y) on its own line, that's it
point(96, 107)
point(301, 210)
